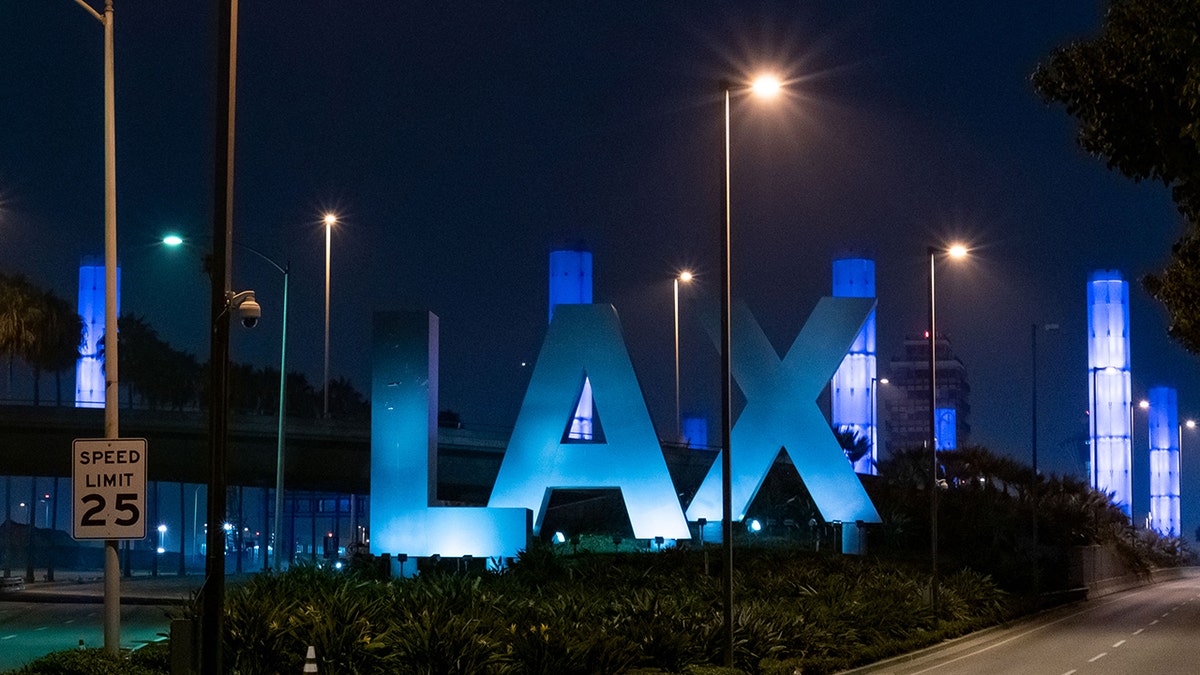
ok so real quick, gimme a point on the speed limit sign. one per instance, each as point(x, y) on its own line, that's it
point(108, 484)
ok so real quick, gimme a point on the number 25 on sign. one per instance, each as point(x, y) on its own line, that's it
point(108, 484)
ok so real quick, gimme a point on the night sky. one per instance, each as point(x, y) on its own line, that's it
point(458, 142)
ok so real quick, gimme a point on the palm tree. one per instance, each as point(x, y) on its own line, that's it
point(59, 335)
point(20, 316)
point(154, 371)
point(345, 401)
point(854, 444)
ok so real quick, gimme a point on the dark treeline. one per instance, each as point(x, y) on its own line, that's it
point(44, 332)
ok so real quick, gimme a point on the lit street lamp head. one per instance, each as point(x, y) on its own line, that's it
point(173, 240)
point(766, 86)
point(685, 276)
point(330, 219)
point(957, 251)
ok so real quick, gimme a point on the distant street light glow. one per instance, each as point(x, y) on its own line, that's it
point(957, 251)
point(172, 240)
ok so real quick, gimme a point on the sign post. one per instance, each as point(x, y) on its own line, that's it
point(108, 488)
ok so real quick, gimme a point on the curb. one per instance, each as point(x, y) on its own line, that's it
point(1107, 587)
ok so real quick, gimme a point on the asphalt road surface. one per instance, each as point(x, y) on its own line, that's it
point(1153, 629)
point(29, 630)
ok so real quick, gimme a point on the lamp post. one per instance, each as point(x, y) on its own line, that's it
point(955, 251)
point(330, 220)
point(684, 276)
point(284, 269)
point(765, 86)
point(875, 382)
point(1033, 444)
point(112, 579)
point(212, 625)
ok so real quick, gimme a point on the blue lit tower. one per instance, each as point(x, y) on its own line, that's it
point(89, 369)
point(571, 284)
point(1164, 461)
point(1109, 386)
point(853, 385)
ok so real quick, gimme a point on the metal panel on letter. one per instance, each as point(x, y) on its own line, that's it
point(584, 341)
point(781, 412)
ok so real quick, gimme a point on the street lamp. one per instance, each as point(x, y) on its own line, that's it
point(954, 251)
point(112, 572)
point(330, 220)
point(684, 276)
point(874, 439)
point(284, 269)
point(1033, 333)
point(765, 86)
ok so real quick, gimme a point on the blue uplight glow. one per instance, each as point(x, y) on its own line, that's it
point(1109, 386)
point(947, 429)
point(781, 411)
point(404, 398)
point(585, 341)
point(853, 401)
point(89, 368)
point(1164, 461)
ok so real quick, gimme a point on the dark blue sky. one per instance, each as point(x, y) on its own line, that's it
point(459, 141)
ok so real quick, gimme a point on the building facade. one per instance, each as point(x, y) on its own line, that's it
point(905, 400)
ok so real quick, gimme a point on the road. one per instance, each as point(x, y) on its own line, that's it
point(29, 630)
point(1153, 629)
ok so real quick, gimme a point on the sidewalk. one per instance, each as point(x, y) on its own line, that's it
point(88, 587)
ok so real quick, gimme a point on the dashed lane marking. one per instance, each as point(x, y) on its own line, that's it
point(1138, 631)
point(1121, 642)
point(1097, 657)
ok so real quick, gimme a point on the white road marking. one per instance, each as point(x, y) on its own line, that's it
point(1031, 631)
point(41, 628)
point(1070, 672)
point(1118, 644)
point(1098, 657)
point(1138, 631)
point(1165, 615)
point(8, 637)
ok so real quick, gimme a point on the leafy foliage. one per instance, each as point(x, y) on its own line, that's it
point(92, 662)
point(1135, 90)
point(598, 613)
point(986, 521)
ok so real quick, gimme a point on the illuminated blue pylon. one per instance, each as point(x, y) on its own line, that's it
point(781, 412)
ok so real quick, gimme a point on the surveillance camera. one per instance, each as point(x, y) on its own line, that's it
point(248, 309)
point(250, 312)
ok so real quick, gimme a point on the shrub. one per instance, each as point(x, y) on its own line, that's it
point(84, 662)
